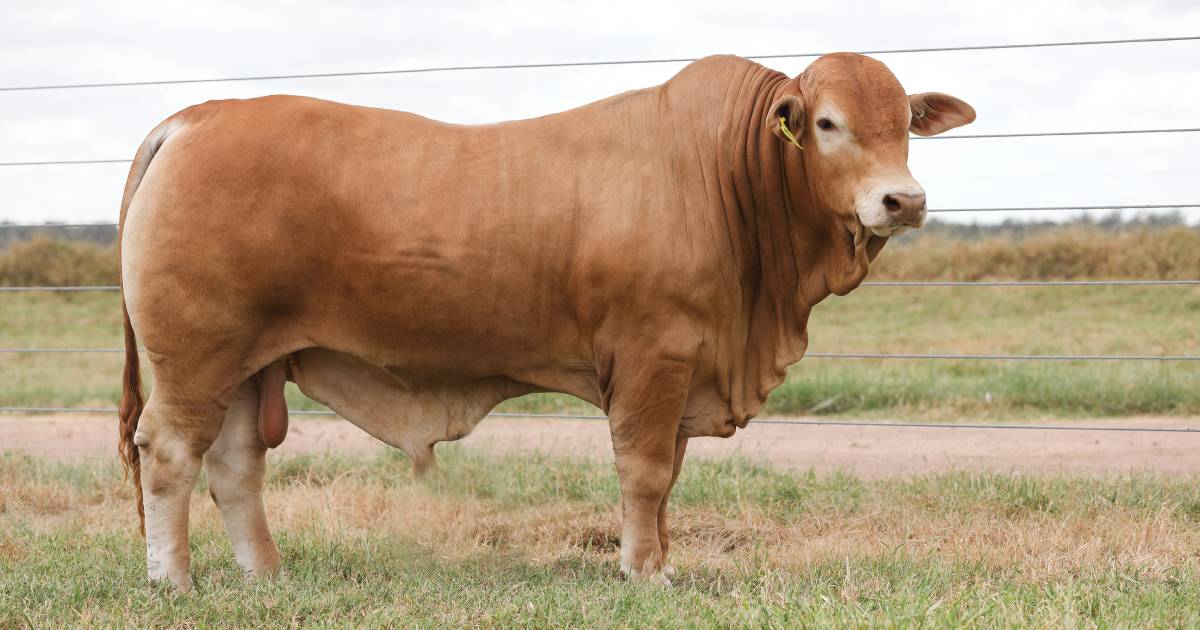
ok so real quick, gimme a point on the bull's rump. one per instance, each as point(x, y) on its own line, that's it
point(287, 222)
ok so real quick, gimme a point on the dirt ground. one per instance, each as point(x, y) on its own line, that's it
point(865, 451)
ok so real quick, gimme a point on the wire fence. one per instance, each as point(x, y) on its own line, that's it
point(60, 289)
point(68, 162)
point(55, 226)
point(767, 421)
point(1075, 208)
point(810, 355)
point(870, 283)
point(1050, 134)
point(580, 64)
point(822, 355)
point(973, 136)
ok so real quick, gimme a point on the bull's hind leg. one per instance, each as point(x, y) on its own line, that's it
point(172, 436)
point(236, 464)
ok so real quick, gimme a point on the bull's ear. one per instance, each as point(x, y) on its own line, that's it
point(934, 112)
point(791, 110)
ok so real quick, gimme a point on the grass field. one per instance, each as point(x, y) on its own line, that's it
point(523, 540)
point(532, 541)
point(1072, 320)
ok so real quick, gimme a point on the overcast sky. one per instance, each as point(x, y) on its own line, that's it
point(1086, 88)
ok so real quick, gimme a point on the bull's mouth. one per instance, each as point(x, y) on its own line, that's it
point(894, 229)
point(859, 230)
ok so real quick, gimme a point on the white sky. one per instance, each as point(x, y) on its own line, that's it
point(1109, 87)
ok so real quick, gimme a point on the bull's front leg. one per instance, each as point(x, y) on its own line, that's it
point(645, 409)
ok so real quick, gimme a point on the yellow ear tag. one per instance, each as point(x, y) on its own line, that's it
point(788, 132)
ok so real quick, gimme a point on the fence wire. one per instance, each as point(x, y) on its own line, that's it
point(871, 283)
point(1139, 206)
point(48, 226)
point(1028, 283)
point(779, 421)
point(1048, 134)
point(1004, 357)
point(974, 136)
point(1076, 208)
point(104, 287)
point(67, 162)
point(579, 64)
point(816, 355)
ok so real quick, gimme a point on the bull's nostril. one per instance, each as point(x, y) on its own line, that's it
point(891, 203)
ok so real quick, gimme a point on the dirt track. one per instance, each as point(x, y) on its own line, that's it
point(867, 451)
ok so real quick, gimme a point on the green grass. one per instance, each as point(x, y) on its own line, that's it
point(382, 582)
point(1105, 320)
point(754, 547)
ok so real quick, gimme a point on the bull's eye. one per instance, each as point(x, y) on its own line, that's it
point(826, 124)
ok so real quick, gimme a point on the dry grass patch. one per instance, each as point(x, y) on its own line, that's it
point(533, 540)
point(1071, 252)
point(46, 261)
point(1038, 526)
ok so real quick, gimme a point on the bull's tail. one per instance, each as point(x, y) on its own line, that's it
point(133, 398)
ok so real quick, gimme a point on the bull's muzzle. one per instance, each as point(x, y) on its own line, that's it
point(906, 208)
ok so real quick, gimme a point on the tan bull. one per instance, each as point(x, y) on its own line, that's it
point(656, 253)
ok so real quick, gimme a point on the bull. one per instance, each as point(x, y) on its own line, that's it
point(656, 254)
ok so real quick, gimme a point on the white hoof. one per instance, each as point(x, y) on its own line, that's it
point(181, 583)
point(163, 572)
point(660, 577)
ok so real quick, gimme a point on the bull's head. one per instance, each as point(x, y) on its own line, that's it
point(852, 120)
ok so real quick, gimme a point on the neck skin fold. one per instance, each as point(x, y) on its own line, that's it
point(789, 253)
